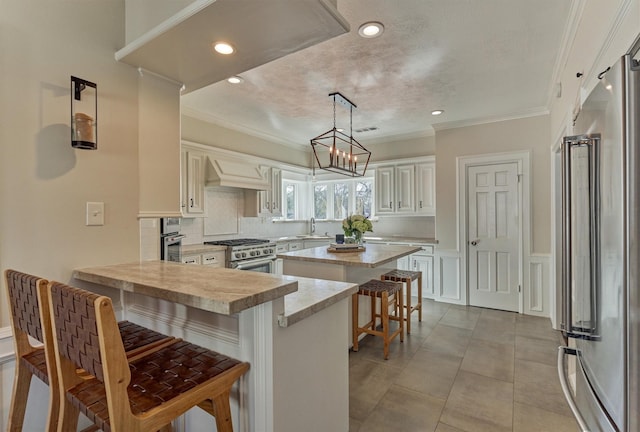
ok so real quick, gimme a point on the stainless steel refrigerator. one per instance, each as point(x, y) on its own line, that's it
point(601, 254)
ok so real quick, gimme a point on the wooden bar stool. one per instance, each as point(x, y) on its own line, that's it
point(407, 277)
point(28, 318)
point(140, 394)
point(387, 292)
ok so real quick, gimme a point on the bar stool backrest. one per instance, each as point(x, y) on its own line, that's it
point(23, 298)
point(76, 331)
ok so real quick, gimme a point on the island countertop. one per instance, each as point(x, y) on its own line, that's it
point(374, 255)
point(221, 290)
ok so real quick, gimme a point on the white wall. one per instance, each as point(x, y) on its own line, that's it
point(202, 132)
point(508, 136)
point(44, 182)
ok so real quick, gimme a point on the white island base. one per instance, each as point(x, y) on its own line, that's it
point(354, 267)
point(299, 369)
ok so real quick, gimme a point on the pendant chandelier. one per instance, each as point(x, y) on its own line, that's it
point(338, 152)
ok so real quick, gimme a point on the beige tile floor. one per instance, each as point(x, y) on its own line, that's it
point(462, 369)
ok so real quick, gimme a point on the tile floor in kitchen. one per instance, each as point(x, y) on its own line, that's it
point(462, 369)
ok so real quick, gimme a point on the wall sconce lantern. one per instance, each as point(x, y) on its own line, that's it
point(84, 114)
point(338, 152)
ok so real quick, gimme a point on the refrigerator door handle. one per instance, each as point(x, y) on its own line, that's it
point(562, 352)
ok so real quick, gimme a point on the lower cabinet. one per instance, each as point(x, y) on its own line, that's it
point(424, 263)
point(420, 261)
point(213, 259)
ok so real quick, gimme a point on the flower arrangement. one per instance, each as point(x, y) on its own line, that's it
point(356, 225)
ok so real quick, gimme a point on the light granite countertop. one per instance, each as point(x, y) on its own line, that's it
point(312, 296)
point(374, 255)
point(220, 290)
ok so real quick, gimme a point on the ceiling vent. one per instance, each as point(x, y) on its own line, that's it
point(367, 129)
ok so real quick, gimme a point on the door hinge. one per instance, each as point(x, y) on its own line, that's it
point(519, 288)
point(520, 177)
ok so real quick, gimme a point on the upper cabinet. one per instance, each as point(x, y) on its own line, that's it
point(395, 190)
point(426, 188)
point(193, 167)
point(406, 189)
point(266, 202)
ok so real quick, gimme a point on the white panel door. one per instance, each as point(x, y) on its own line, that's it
point(493, 235)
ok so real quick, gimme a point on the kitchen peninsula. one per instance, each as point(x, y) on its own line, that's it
point(354, 267)
point(283, 326)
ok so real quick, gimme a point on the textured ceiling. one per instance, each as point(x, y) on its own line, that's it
point(479, 60)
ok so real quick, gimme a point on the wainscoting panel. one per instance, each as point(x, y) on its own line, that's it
point(449, 277)
point(537, 285)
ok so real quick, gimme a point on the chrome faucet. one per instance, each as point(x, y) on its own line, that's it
point(312, 226)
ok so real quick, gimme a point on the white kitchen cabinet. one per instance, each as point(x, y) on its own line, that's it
point(267, 202)
point(406, 189)
point(193, 166)
point(296, 245)
point(426, 188)
point(385, 190)
point(423, 262)
point(282, 247)
point(192, 259)
point(395, 189)
point(420, 261)
point(213, 259)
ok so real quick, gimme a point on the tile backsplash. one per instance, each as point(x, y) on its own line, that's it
point(224, 204)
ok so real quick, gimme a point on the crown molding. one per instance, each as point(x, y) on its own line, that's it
point(568, 37)
point(209, 118)
point(533, 112)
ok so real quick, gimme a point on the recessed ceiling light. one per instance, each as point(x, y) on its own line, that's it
point(235, 79)
point(437, 112)
point(371, 29)
point(223, 48)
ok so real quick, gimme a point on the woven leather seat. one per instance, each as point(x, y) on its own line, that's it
point(143, 394)
point(26, 294)
point(407, 277)
point(385, 291)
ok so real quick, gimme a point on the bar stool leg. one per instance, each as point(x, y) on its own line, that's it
point(384, 316)
point(400, 300)
point(420, 298)
point(407, 285)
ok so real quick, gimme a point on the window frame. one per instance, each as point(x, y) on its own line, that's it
point(351, 186)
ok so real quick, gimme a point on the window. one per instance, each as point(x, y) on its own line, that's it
point(364, 194)
point(339, 198)
point(292, 200)
point(320, 194)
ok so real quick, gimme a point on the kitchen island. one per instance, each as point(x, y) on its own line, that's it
point(288, 328)
point(354, 267)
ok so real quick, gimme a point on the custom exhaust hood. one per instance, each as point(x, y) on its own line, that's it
point(234, 173)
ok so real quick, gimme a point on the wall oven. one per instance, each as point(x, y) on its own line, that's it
point(249, 254)
point(170, 239)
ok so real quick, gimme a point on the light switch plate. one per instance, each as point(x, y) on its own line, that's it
point(95, 213)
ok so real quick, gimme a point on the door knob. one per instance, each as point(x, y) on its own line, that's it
point(475, 242)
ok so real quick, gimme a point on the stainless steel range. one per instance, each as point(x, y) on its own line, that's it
point(249, 254)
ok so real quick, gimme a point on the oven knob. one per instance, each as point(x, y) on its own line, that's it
point(244, 254)
point(252, 253)
point(238, 255)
